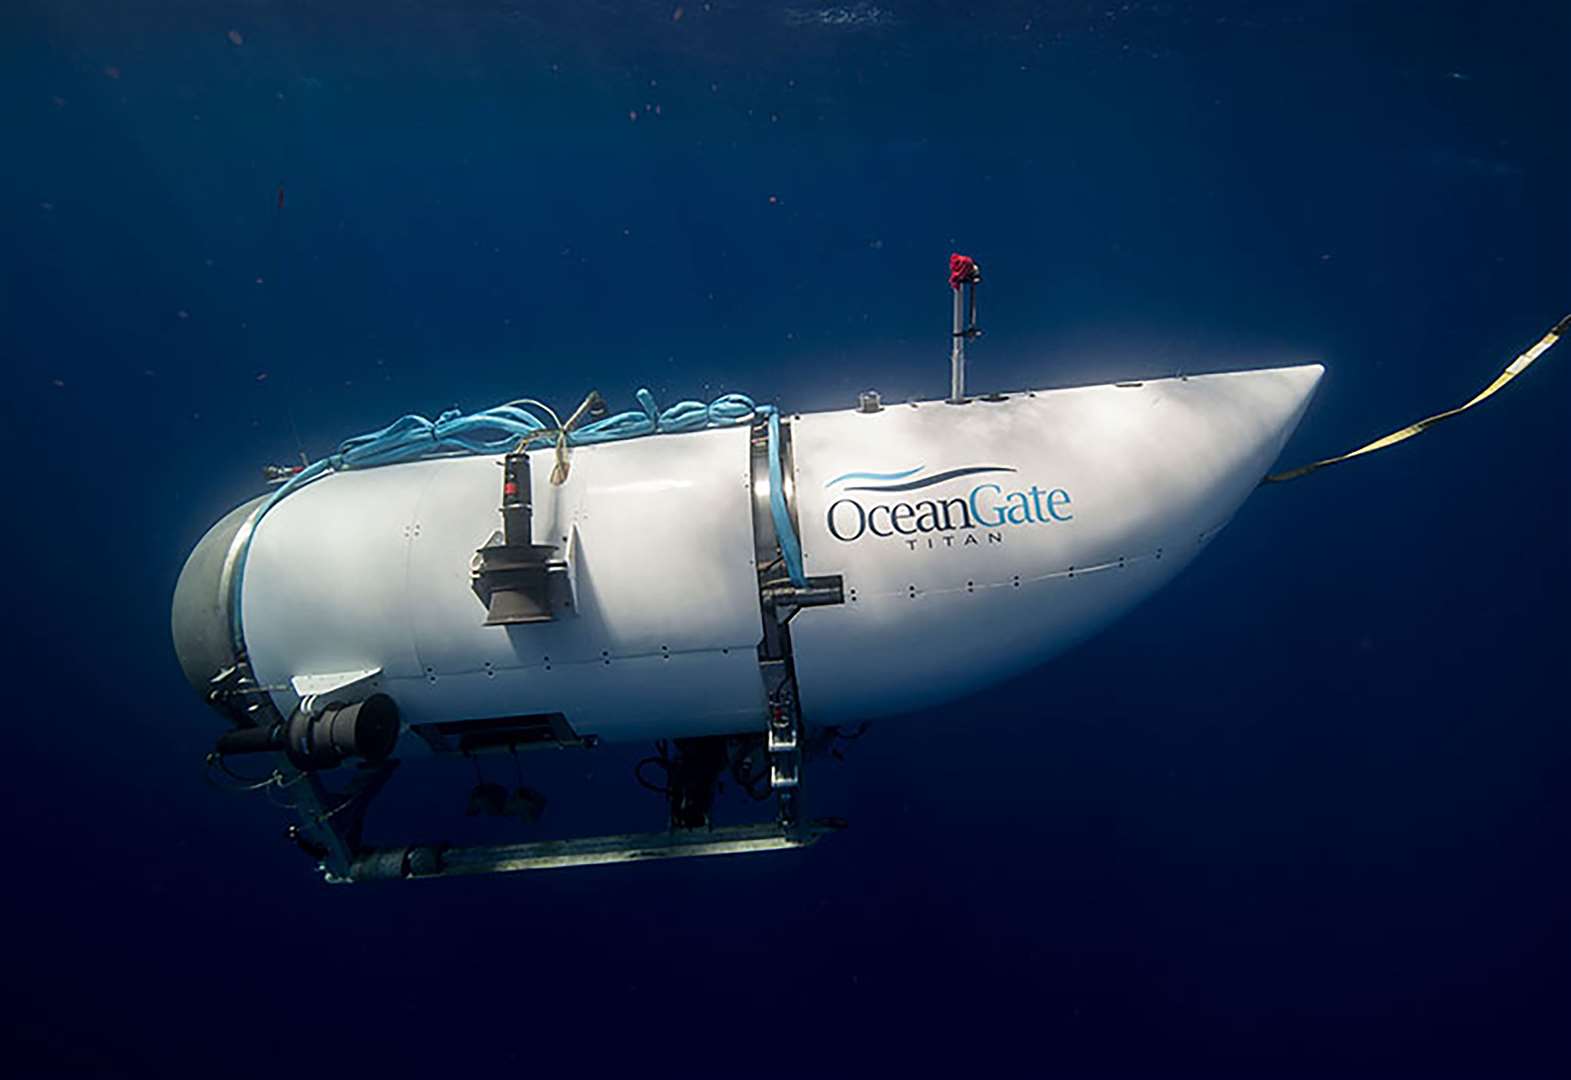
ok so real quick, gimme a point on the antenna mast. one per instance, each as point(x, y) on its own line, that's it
point(964, 276)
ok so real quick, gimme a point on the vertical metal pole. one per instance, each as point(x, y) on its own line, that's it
point(957, 354)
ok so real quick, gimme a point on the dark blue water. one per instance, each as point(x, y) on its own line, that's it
point(1305, 813)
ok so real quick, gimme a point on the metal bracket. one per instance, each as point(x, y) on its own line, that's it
point(779, 601)
point(784, 747)
point(337, 682)
point(510, 573)
point(236, 693)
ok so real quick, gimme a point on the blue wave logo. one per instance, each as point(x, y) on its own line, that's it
point(902, 481)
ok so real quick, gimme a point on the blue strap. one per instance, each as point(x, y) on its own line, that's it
point(785, 535)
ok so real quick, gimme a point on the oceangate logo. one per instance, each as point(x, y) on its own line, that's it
point(989, 507)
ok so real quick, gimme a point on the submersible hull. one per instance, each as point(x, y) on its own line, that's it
point(965, 543)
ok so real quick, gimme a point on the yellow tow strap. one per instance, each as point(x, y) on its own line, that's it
point(1516, 367)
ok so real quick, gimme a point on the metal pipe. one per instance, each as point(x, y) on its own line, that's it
point(957, 354)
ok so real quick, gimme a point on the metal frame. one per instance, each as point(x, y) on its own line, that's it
point(330, 824)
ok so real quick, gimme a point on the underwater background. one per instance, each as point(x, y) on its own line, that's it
point(1305, 813)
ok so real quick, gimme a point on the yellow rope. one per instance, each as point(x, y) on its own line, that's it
point(1515, 368)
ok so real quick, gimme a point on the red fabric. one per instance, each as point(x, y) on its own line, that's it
point(962, 270)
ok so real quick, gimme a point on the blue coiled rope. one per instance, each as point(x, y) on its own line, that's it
point(501, 429)
point(498, 430)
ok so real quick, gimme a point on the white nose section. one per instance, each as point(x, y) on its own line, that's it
point(1243, 419)
point(1202, 445)
point(975, 541)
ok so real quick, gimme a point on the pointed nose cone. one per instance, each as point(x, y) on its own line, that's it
point(1162, 464)
point(1226, 431)
point(1272, 402)
point(1302, 381)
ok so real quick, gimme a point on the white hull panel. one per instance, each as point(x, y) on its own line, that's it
point(1130, 481)
point(370, 569)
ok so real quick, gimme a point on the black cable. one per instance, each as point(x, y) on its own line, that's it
point(661, 758)
point(741, 769)
point(638, 774)
point(241, 785)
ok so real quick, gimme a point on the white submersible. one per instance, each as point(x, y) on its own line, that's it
point(736, 589)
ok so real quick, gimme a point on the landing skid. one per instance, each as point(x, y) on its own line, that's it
point(413, 863)
point(333, 838)
point(331, 822)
